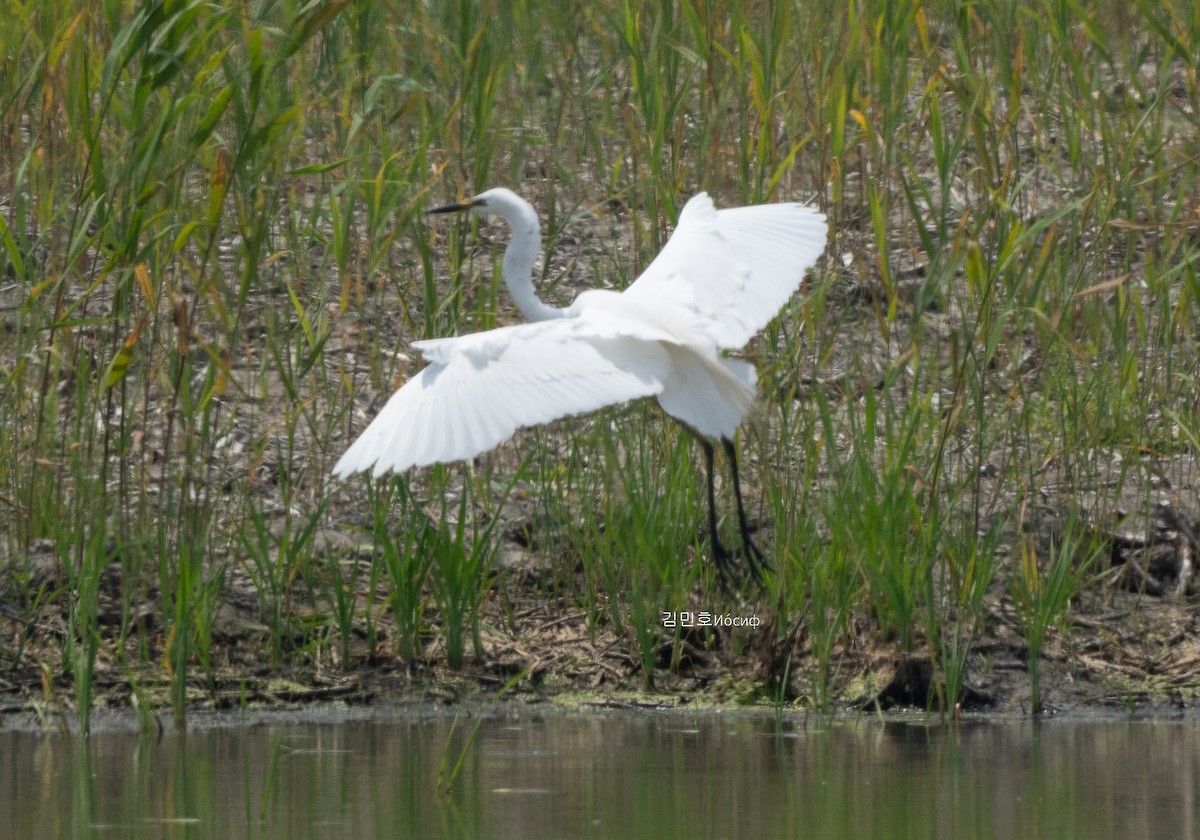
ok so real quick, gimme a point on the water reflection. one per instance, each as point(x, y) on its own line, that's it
point(609, 776)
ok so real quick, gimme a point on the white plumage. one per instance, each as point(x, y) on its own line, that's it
point(720, 279)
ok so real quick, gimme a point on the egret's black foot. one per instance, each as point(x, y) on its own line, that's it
point(755, 561)
point(731, 574)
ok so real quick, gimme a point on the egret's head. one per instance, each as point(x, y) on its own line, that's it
point(500, 201)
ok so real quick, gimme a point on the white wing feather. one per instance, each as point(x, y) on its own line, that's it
point(722, 276)
point(734, 268)
point(479, 389)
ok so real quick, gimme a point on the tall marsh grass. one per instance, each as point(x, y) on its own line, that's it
point(213, 258)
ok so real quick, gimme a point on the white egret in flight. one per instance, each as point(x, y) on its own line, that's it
point(721, 277)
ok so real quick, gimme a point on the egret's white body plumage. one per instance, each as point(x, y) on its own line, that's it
point(720, 279)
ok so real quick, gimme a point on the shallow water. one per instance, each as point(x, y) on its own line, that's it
point(610, 775)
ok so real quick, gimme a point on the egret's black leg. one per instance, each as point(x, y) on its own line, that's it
point(754, 557)
point(720, 555)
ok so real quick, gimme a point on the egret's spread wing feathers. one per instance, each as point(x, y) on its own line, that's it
point(479, 389)
point(735, 268)
point(721, 277)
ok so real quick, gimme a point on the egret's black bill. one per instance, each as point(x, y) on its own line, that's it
point(456, 207)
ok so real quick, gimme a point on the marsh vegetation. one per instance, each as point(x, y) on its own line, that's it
point(976, 440)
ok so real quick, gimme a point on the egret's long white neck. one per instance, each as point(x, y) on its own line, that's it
point(522, 252)
point(519, 258)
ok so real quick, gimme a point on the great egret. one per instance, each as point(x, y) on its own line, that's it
point(720, 278)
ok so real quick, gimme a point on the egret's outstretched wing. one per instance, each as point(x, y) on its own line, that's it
point(734, 268)
point(479, 389)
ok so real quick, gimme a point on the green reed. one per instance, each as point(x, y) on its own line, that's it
point(213, 258)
